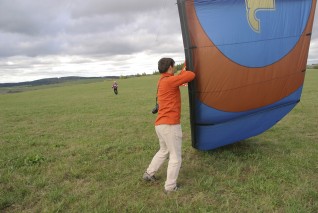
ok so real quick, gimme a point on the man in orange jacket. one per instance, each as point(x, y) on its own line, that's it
point(167, 124)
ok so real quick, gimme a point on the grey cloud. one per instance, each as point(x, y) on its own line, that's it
point(19, 44)
point(33, 17)
point(83, 27)
point(98, 7)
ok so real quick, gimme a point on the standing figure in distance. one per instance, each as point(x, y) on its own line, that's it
point(167, 124)
point(115, 87)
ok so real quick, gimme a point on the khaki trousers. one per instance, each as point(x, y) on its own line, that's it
point(170, 140)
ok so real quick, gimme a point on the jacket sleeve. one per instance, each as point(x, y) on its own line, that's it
point(183, 77)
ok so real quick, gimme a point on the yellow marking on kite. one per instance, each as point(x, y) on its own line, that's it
point(252, 6)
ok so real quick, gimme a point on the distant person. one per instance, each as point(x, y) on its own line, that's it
point(115, 87)
point(167, 124)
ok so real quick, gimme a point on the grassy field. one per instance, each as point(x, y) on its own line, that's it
point(80, 148)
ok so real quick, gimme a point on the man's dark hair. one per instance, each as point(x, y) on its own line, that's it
point(164, 64)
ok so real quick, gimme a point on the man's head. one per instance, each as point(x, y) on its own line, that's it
point(164, 64)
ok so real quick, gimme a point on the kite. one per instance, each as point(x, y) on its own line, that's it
point(250, 63)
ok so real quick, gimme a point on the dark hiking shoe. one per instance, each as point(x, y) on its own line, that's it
point(175, 189)
point(148, 177)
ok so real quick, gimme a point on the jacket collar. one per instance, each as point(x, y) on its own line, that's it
point(166, 75)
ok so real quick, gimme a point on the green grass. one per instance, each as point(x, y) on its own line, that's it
point(80, 148)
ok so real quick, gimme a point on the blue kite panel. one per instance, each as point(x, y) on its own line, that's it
point(280, 27)
point(207, 115)
point(213, 136)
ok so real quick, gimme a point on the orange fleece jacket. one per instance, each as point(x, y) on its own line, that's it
point(169, 98)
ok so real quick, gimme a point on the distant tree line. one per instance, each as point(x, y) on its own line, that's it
point(47, 81)
point(312, 66)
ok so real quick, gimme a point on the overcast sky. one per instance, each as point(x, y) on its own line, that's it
point(56, 38)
